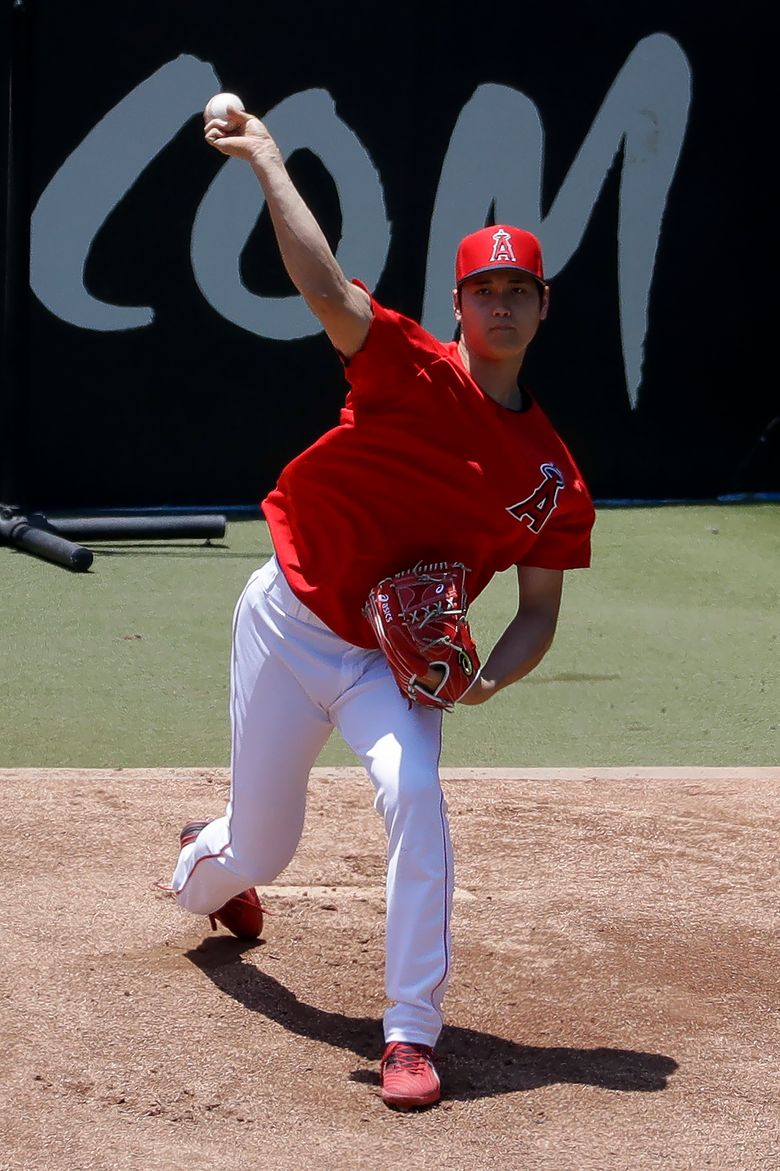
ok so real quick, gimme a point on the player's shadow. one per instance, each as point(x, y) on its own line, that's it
point(474, 1064)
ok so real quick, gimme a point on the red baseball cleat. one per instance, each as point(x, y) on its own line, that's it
point(409, 1077)
point(243, 914)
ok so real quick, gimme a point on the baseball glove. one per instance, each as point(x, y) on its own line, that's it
point(419, 619)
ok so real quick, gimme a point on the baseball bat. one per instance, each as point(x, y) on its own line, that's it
point(134, 528)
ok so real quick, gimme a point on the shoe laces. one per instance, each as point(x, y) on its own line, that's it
point(408, 1057)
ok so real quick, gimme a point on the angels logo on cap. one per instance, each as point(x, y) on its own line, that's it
point(499, 246)
point(502, 247)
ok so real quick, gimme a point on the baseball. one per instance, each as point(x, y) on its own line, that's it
point(217, 107)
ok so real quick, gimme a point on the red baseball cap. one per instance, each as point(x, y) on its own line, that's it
point(498, 246)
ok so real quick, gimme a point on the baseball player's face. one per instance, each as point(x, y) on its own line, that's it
point(499, 312)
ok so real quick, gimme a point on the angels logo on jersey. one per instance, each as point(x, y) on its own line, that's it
point(537, 508)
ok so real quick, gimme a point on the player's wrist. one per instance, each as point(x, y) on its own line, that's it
point(479, 690)
point(264, 154)
point(432, 679)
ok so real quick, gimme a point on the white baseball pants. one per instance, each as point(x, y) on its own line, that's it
point(292, 681)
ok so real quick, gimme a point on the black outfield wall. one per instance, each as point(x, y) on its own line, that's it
point(155, 354)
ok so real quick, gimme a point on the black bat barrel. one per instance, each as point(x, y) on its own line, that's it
point(137, 528)
point(50, 546)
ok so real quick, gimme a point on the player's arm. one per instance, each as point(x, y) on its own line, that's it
point(343, 309)
point(528, 636)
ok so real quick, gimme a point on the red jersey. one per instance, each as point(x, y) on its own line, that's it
point(423, 466)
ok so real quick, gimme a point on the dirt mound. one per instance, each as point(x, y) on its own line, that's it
point(614, 1002)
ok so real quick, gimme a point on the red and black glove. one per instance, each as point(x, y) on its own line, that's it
point(419, 619)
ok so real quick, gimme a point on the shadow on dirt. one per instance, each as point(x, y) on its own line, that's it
point(475, 1064)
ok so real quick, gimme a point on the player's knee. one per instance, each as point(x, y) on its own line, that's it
point(407, 791)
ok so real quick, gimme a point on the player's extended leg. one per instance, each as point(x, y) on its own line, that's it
point(400, 747)
point(277, 733)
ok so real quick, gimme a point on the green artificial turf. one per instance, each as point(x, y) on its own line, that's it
point(667, 652)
